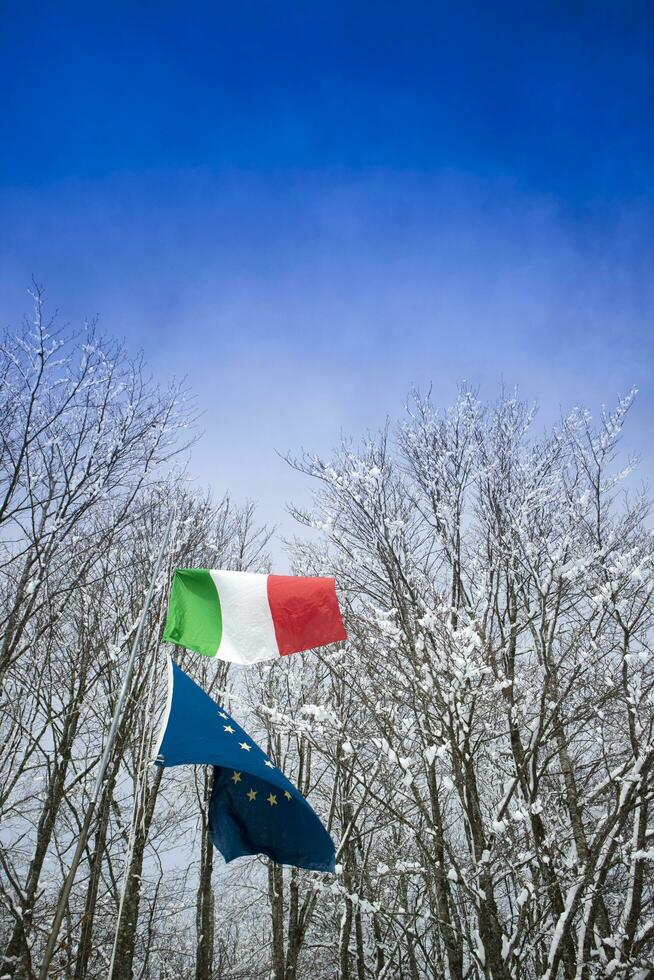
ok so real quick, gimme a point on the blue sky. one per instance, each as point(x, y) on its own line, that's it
point(308, 207)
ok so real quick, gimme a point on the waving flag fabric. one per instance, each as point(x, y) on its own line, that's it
point(245, 617)
point(254, 809)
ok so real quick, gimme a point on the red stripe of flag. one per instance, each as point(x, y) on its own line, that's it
point(305, 612)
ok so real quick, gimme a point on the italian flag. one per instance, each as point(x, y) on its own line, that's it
point(244, 617)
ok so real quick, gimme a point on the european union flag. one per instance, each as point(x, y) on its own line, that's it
point(254, 809)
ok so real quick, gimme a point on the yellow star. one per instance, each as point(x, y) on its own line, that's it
point(236, 777)
point(252, 795)
point(272, 799)
point(228, 728)
point(287, 795)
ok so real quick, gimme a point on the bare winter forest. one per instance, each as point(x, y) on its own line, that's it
point(481, 748)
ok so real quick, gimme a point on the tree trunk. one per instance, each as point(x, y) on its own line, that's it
point(85, 945)
point(17, 959)
point(205, 900)
point(276, 899)
point(128, 921)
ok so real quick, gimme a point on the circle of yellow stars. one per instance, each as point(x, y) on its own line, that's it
point(237, 777)
point(252, 793)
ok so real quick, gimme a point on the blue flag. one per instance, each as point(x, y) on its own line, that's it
point(254, 809)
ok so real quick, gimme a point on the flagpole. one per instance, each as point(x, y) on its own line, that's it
point(104, 762)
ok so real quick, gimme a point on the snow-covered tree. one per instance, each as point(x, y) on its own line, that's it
point(481, 748)
point(494, 714)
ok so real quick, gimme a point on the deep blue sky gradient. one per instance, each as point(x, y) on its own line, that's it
point(307, 207)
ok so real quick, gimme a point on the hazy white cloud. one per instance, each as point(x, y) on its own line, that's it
point(302, 310)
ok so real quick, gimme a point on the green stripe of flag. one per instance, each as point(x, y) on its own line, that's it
point(194, 616)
